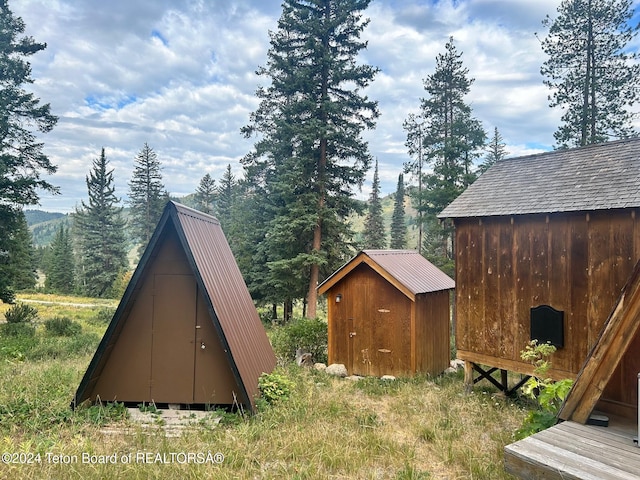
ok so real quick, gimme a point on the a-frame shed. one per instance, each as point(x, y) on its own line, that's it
point(186, 330)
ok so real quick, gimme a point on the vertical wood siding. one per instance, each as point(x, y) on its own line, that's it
point(575, 262)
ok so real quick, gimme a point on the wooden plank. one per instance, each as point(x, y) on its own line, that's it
point(489, 285)
point(536, 458)
point(510, 365)
point(602, 436)
point(506, 291)
point(462, 297)
point(577, 327)
point(593, 447)
point(560, 285)
point(523, 271)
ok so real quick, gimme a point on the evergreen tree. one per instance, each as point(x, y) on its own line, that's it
point(146, 196)
point(398, 226)
point(496, 151)
point(374, 234)
point(60, 263)
point(206, 194)
point(21, 157)
point(451, 139)
point(22, 256)
point(311, 119)
point(226, 195)
point(100, 230)
point(591, 72)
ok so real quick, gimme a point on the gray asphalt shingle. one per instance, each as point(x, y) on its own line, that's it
point(595, 177)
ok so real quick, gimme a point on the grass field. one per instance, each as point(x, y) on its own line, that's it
point(420, 428)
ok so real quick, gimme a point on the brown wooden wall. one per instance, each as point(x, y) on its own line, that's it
point(577, 263)
point(157, 355)
point(377, 330)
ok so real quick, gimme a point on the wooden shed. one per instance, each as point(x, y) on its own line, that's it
point(544, 245)
point(186, 330)
point(388, 314)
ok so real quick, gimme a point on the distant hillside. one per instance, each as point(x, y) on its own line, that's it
point(38, 216)
point(357, 221)
point(44, 225)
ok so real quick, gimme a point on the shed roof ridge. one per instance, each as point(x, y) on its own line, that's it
point(193, 213)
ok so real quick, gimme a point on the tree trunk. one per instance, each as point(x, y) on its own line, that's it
point(312, 295)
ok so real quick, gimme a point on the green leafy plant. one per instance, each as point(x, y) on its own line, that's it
point(274, 387)
point(62, 327)
point(307, 334)
point(548, 393)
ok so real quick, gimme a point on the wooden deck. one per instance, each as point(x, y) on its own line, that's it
point(571, 450)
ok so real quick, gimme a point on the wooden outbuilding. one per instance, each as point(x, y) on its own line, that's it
point(598, 446)
point(544, 245)
point(186, 330)
point(389, 314)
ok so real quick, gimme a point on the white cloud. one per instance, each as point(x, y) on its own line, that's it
point(180, 75)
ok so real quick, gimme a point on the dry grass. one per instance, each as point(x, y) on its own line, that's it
point(329, 428)
point(417, 428)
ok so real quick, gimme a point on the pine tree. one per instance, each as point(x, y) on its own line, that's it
point(450, 139)
point(311, 119)
point(398, 225)
point(496, 151)
point(21, 157)
point(591, 71)
point(100, 231)
point(226, 195)
point(206, 194)
point(374, 234)
point(21, 256)
point(60, 270)
point(146, 196)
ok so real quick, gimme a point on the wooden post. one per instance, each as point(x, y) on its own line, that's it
point(468, 376)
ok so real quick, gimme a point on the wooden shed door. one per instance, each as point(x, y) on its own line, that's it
point(359, 334)
point(173, 339)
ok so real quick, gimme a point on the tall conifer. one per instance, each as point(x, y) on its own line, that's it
point(146, 196)
point(311, 118)
point(22, 159)
point(591, 71)
point(100, 230)
point(398, 225)
point(374, 234)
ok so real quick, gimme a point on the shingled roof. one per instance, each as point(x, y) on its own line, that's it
point(409, 271)
point(596, 177)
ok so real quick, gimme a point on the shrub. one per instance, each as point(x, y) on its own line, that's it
point(545, 391)
point(103, 316)
point(62, 327)
point(22, 329)
point(310, 335)
point(274, 386)
point(21, 313)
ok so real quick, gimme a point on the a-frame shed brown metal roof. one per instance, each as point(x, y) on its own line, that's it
point(407, 270)
point(228, 301)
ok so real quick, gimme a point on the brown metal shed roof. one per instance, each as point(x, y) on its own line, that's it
point(596, 177)
point(231, 308)
point(409, 271)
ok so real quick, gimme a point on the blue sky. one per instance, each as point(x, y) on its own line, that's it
point(180, 75)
